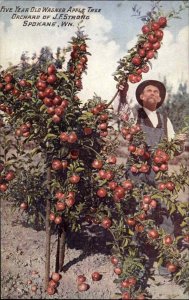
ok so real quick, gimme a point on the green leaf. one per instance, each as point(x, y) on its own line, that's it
point(102, 182)
point(155, 54)
point(150, 64)
point(139, 265)
point(181, 211)
point(49, 121)
point(70, 115)
point(183, 224)
point(160, 261)
point(42, 108)
point(62, 75)
point(10, 162)
point(116, 281)
point(125, 243)
point(130, 232)
point(35, 151)
point(85, 116)
point(29, 200)
point(179, 237)
point(50, 136)
point(173, 208)
point(79, 169)
point(108, 243)
point(71, 168)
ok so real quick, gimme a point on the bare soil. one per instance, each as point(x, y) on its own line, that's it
point(23, 264)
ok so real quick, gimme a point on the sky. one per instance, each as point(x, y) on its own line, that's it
point(112, 29)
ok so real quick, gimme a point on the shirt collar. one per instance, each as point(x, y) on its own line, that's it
point(149, 112)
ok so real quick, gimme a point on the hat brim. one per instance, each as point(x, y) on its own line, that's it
point(156, 83)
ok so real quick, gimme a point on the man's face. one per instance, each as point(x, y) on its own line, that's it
point(150, 97)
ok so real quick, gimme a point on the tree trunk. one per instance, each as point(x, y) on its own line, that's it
point(48, 232)
point(60, 249)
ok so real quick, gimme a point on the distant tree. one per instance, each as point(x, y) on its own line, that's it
point(177, 107)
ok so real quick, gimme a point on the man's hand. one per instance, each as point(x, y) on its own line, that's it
point(121, 87)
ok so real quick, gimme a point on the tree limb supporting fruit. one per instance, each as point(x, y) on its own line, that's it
point(113, 98)
point(48, 233)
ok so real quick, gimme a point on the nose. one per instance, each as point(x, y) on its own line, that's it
point(153, 93)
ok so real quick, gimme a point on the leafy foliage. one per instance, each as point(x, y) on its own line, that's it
point(176, 107)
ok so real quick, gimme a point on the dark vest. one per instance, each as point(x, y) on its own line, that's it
point(153, 135)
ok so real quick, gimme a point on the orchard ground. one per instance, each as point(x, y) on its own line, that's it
point(23, 259)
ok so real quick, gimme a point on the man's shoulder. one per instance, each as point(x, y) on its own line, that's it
point(163, 115)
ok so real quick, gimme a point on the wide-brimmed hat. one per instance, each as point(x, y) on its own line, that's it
point(156, 83)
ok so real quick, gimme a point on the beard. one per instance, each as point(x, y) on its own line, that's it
point(152, 100)
point(150, 103)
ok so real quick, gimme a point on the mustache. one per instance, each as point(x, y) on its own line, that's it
point(153, 98)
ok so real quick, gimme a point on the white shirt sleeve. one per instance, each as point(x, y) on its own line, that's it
point(170, 130)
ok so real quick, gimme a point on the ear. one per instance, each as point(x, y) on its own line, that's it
point(159, 99)
point(141, 96)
